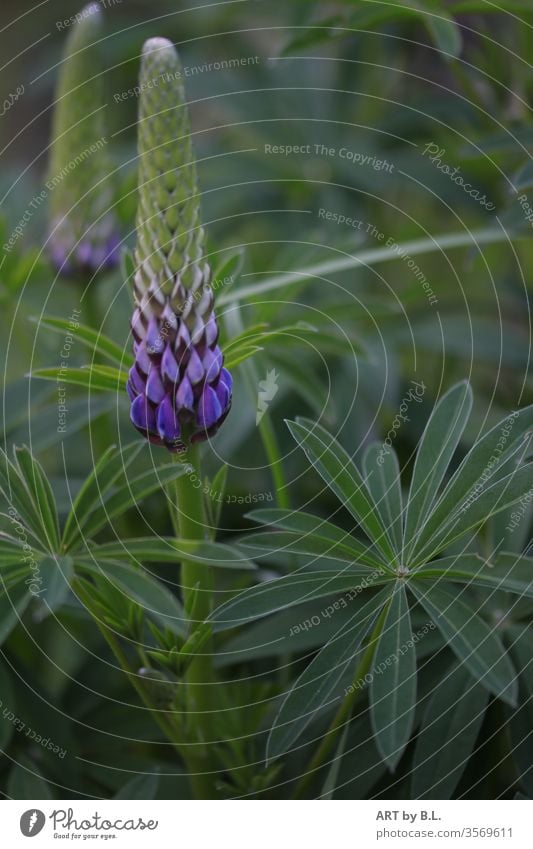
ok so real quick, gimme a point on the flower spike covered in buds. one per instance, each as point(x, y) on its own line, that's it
point(84, 234)
point(179, 389)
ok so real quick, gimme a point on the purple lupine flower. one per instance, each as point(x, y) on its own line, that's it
point(178, 386)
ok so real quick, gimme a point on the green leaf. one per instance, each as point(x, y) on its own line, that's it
point(93, 339)
point(113, 463)
point(524, 178)
point(285, 542)
point(141, 787)
point(471, 514)
point(40, 493)
point(382, 477)
point(481, 463)
point(137, 584)
point(262, 599)
point(132, 493)
point(311, 534)
point(12, 549)
point(338, 470)
point(21, 504)
point(227, 267)
point(449, 729)
point(437, 447)
point(172, 550)
point(470, 638)
point(393, 685)
point(95, 378)
point(7, 703)
point(55, 574)
point(505, 571)
point(332, 778)
point(44, 430)
point(13, 603)
point(364, 259)
point(238, 355)
point(445, 33)
point(26, 782)
point(296, 629)
point(323, 682)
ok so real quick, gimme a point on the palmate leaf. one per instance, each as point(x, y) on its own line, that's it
point(113, 463)
point(40, 493)
point(499, 496)
point(470, 638)
point(504, 571)
point(137, 584)
point(28, 503)
point(437, 446)
point(129, 494)
point(483, 461)
point(55, 575)
point(447, 735)
point(382, 477)
point(393, 684)
point(172, 550)
point(322, 682)
point(340, 473)
point(307, 534)
point(263, 599)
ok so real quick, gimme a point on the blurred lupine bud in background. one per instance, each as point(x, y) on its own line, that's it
point(179, 390)
point(84, 234)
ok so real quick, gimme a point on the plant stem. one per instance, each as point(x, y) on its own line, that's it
point(197, 587)
point(158, 716)
point(344, 712)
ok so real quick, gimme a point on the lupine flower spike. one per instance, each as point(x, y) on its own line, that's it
point(83, 227)
point(179, 389)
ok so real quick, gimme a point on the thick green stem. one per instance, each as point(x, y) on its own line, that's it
point(197, 588)
point(344, 712)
